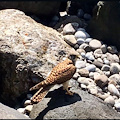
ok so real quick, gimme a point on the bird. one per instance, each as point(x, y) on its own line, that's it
point(60, 74)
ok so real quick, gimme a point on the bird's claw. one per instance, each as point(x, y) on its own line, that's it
point(69, 93)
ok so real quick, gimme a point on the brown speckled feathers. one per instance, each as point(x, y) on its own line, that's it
point(59, 74)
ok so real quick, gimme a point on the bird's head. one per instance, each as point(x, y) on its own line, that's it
point(73, 56)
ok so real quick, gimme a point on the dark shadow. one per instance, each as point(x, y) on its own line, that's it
point(58, 99)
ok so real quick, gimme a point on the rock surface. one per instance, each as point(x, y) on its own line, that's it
point(79, 106)
point(10, 113)
point(28, 52)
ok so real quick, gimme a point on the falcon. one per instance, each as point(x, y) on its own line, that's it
point(60, 74)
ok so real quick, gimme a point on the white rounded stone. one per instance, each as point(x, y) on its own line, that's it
point(28, 108)
point(91, 68)
point(95, 44)
point(21, 110)
point(113, 90)
point(88, 40)
point(70, 39)
point(27, 102)
point(81, 34)
point(117, 106)
point(80, 64)
point(90, 56)
point(110, 100)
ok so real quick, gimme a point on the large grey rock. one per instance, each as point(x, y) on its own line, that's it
point(41, 8)
point(105, 24)
point(28, 52)
point(10, 113)
point(82, 105)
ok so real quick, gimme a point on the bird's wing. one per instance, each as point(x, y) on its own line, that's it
point(40, 94)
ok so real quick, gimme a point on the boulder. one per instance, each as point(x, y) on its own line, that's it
point(105, 23)
point(28, 52)
point(10, 113)
point(81, 105)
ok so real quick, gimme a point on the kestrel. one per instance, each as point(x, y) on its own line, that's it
point(60, 74)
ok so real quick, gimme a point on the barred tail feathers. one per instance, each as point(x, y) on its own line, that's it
point(38, 86)
point(38, 96)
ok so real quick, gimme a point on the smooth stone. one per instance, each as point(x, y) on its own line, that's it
point(117, 106)
point(101, 80)
point(70, 28)
point(29, 96)
point(76, 46)
point(113, 90)
point(70, 39)
point(91, 68)
point(83, 54)
point(80, 13)
point(100, 60)
point(107, 62)
point(112, 49)
point(86, 47)
point(28, 108)
point(104, 48)
point(114, 68)
point(105, 68)
point(92, 89)
point(91, 75)
point(21, 110)
point(80, 51)
point(83, 86)
point(80, 64)
point(76, 76)
point(27, 102)
point(87, 16)
point(113, 58)
point(98, 63)
point(110, 100)
point(85, 81)
point(83, 72)
point(95, 44)
point(116, 78)
point(98, 53)
point(107, 73)
point(81, 34)
point(90, 56)
point(80, 41)
point(88, 40)
point(81, 29)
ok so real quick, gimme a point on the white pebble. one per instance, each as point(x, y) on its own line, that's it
point(21, 110)
point(113, 90)
point(28, 108)
point(27, 102)
point(91, 68)
point(81, 34)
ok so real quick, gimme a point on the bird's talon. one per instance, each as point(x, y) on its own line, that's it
point(69, 93)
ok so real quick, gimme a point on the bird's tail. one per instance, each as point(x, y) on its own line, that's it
point(38, 86)
point(40, 94)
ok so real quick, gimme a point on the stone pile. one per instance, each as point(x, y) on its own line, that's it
point(98, 69)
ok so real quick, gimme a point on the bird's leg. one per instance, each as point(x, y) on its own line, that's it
point(66, 87)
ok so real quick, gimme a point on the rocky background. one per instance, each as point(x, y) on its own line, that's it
point(36, 36)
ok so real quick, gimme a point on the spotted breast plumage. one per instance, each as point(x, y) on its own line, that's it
point(60, 74)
